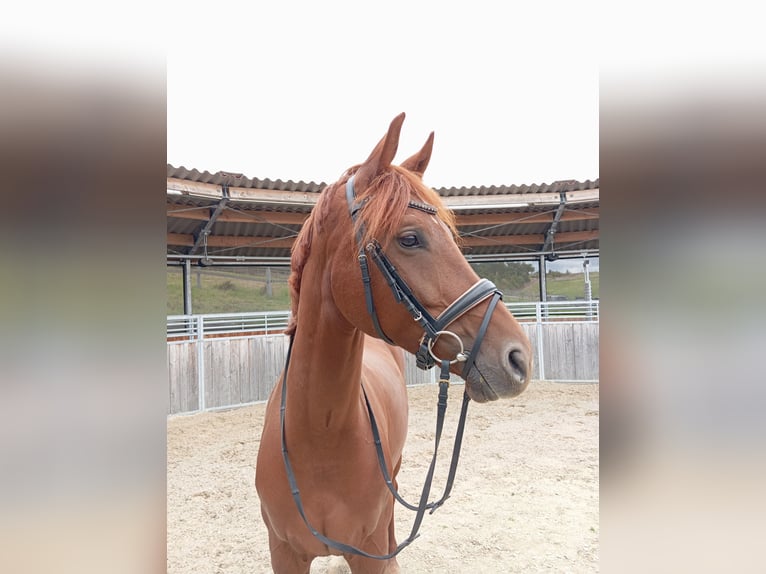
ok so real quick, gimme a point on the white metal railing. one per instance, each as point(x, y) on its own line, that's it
point(555, 311)
point(186, 327)
point(200, 326)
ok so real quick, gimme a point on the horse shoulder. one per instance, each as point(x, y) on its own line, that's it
point(376, 352)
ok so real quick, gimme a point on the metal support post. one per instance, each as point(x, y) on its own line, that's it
point(540, 342)
point(543, 285)
point(200, 361)
point(269, 291)
point(588, 287)
point(187, 287)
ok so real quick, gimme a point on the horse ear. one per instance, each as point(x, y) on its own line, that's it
point(419, 162)
point(381, 157)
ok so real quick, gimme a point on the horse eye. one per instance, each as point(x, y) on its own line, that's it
point(409, 241)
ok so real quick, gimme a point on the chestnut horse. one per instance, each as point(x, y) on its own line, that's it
point(338, 364)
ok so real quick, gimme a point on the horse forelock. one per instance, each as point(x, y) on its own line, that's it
point(387, 199)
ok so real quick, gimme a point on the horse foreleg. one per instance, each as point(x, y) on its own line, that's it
point(387, 567)
point(382, 541)
point(361, 565)
point(284, 560)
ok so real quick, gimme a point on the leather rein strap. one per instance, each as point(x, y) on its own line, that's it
point(345, 548)
point(433, 328)
point(440, 411)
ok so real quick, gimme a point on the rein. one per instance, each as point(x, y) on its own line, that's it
point(425, 358)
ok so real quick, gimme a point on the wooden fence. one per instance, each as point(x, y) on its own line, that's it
point(564, 351)
point(207, 373)
point(235, 371)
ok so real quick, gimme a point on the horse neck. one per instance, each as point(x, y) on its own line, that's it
point(324, 378)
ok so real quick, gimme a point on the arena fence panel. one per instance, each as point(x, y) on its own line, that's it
point(226, 360)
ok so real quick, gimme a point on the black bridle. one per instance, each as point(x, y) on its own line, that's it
point(432, 327)
point(425, 357)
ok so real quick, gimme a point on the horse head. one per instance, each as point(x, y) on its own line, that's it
point(380, 220)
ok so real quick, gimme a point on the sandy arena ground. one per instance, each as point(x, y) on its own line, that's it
point(525, 498)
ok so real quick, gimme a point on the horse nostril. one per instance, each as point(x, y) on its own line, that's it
point(518, 362)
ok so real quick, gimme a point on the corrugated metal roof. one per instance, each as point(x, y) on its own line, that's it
point(240, 180)
point(555, 187)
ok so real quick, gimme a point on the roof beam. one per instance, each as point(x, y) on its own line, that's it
point(538, 238)
point(200, 236)
point(232, 241)
point(257, 195)
point(468, 241)
point(245, 194)
point(507, 218)
point(511, 200)
point(551, 233)
point(231, 215)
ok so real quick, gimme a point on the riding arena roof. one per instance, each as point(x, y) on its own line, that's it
point(229, 218)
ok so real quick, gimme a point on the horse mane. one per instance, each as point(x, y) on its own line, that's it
point(380, 217)
point(299, 256)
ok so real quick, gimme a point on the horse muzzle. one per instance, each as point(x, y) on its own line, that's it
point(493, 379)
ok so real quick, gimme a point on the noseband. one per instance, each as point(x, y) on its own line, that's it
point(426, 358)
point(433, 327)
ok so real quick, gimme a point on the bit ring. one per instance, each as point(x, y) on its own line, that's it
point(459, 358)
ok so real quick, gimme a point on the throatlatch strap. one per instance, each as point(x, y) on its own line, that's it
point(368, 298)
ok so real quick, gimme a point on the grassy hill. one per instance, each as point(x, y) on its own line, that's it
point(242, 290)
point(228, 292)
point(571, 286)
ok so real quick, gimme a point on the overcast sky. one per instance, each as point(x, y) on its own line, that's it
point(284, 91)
